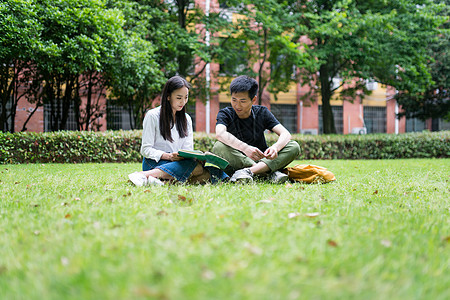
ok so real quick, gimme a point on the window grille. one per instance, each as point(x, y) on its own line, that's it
point(375, 119)
point(50, 117)
point(338, 115)
point(286, 114)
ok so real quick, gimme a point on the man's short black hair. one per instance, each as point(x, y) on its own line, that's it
point(244, 84)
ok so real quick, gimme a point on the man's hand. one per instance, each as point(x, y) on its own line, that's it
point(271, 153)
point(254, 153)
point(172, 156)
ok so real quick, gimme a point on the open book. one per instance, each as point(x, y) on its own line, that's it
point(204, 156)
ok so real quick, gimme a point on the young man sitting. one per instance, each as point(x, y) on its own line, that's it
point(241, 141)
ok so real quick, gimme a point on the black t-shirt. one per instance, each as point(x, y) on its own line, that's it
point(249, 130)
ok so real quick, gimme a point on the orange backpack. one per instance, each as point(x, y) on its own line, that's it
point(309, 174)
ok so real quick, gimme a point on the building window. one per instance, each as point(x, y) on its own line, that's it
point(8, 122)
point(190, 110)
point(118, 117)
point(52, 117)
point(413, 125)
point(375, 119)
point(338, 114)
point(286, 114)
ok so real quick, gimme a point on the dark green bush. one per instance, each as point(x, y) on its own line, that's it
point(124, 146)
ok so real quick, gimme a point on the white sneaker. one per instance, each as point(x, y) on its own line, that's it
point(154, 181)
point(138, 178)
point(242, 175)
point(278, 177)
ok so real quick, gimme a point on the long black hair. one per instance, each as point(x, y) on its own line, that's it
point(166, 120)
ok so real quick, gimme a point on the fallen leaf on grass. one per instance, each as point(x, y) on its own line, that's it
point(332, 243)
point(146, 292)
point(265, 201)
point(293, 215)
point(312, 215)
point(244, 224)
point(446, 239)
point(184, 199)
point(162, 213)
point(386, 243)
point(68, 216)
point(376, 192)
point(64, 261)
point(197, 236)
point(34, 205)
point(253, 249)
point(147, 191)
point(208, 274)
point(126, 195)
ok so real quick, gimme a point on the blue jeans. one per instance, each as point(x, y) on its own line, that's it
point(180, 170)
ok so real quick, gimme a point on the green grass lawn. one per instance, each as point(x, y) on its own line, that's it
point(82, 231)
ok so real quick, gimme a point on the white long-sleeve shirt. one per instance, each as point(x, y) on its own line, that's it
point(154, 145)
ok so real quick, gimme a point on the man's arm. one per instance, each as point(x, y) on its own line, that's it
point(283, 138)
point(230, 140)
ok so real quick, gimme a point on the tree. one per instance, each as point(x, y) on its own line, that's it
point(358, 40)
point(435, 101)
point(19, 28)
point(75, 42)
point(263, 44)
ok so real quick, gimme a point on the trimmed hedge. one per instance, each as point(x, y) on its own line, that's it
point(124, 146)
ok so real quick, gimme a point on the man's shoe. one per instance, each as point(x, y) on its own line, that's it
point(242, 175)
point(138, 178)
point(278, 177)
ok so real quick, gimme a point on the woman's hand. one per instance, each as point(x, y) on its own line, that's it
point(171, 156)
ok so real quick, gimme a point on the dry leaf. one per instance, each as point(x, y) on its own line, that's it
point(64, 261)
point(197, 236)
point(376, 192)
point(312, 215)
point(293, 215)
point(208, 274)
point(265, 201)
point(147, 191)
point(253, 249)
point(386, 243)
point(34, 205)
point(181, 198)
point(332, 243)
point(244, 224)
point(162, 213)
point(68, 216)
point(446, 239)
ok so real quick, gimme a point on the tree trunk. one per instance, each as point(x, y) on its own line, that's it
point(262, 84)
point(325, 88)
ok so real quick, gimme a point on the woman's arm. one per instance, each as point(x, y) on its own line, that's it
point(149, 132)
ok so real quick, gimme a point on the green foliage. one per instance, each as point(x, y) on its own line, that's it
point(434, 102)
point(82, 231)
point(384, 40)
point(264, 33)
point(124, 146)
